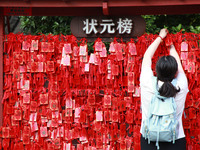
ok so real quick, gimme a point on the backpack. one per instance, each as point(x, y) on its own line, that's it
point(161, 122)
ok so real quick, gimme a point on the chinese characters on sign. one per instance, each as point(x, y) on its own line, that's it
point(105, 27)
point(122, 26)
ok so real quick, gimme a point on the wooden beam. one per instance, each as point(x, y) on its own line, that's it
point(96, 8)
point(55, 3)
point(95, 3)
point(115, 11)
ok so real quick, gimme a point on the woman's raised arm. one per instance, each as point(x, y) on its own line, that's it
point(174, 53)
point(153, 47)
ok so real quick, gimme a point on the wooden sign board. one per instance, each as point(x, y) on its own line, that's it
point(107, 27)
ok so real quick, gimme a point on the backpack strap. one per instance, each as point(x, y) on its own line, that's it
point(174, 82)
point(154, 83)
point(157, 142)
point(175, 121)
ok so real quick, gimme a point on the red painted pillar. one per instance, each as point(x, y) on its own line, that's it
point(1, 63)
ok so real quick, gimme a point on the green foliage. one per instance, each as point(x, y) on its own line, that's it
point(195, 29)
point(43, 24)
point(174, 23)
point(59, 24)
point(90, 47)
point(151, 27)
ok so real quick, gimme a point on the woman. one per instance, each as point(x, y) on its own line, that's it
point(167, 68)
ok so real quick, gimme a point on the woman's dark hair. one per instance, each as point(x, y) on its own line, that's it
point(166, 69)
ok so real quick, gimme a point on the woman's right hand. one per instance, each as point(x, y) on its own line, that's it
point(163, 33)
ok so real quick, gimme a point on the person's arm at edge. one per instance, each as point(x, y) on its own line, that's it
point(152, 48)
point(183, 80)
point(174, 53)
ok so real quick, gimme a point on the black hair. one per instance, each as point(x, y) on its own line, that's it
point(166, 69)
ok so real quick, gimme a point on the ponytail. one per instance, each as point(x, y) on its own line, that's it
point(166, 69)
point(168, 89)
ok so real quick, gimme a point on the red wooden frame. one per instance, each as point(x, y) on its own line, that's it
point(1, 64)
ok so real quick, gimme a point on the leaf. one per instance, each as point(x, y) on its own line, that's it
point(179, 27)
point(198, 28)
point(44, 18)
point(191, 27)
point(33, 24)
point(56, 23)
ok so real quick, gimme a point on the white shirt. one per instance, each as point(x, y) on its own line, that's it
point(147, 92)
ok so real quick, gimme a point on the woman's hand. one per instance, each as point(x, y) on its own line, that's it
point(163, 33)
